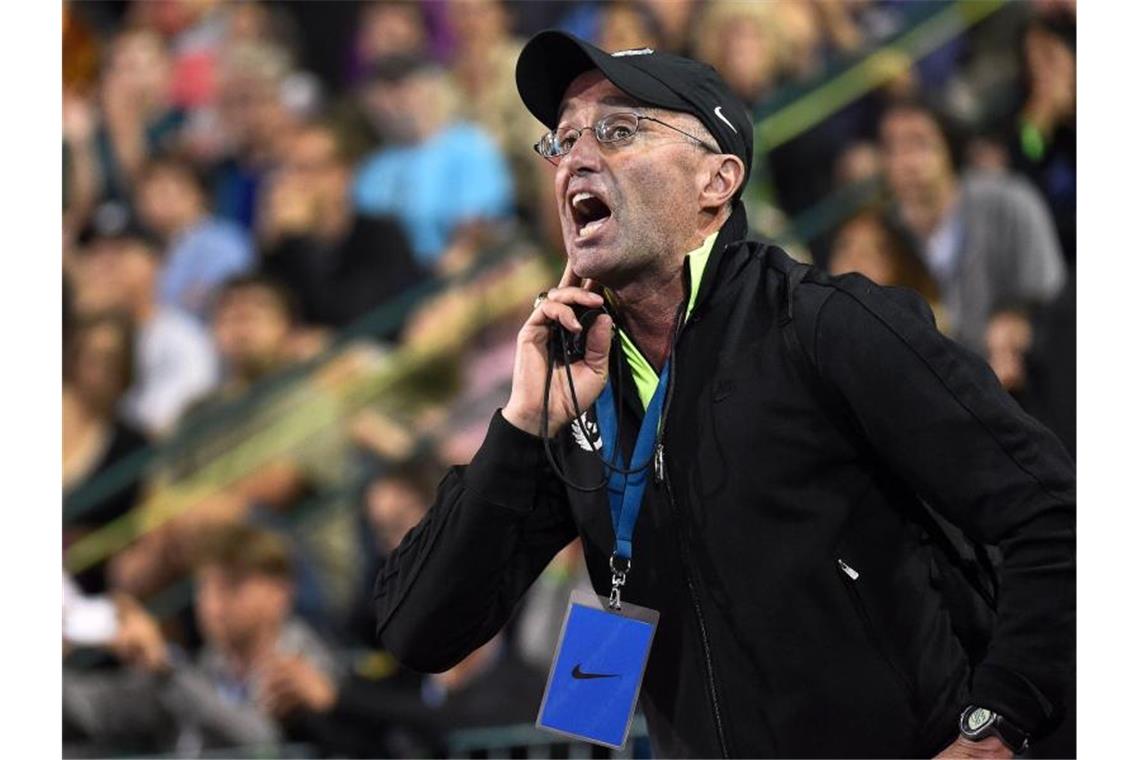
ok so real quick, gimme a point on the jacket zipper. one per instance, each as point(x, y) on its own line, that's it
point(662, 477)
point(706, 649)
point(852, 575)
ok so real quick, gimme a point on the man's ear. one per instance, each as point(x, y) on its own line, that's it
point(723, 176)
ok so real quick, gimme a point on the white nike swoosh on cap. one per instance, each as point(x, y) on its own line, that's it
point(724, 118)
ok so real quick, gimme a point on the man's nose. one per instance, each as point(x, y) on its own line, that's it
point(586, 155)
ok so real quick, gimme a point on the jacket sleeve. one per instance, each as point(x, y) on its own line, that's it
point(935, 414)
point(456, 577)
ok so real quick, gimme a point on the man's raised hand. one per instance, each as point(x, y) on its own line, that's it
point(524, 409)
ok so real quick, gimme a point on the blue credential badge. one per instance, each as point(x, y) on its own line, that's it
point(592, 689)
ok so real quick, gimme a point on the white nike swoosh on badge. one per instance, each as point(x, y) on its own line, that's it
point(723, 118)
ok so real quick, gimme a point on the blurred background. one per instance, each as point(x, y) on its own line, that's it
point(299, 239)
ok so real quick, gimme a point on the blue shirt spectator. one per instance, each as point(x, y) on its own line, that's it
point(456, 175)
point(201, 250)
point(199, 259)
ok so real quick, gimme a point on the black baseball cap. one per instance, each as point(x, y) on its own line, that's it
point(551, 60)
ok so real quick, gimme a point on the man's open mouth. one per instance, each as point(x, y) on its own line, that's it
point(589, 212)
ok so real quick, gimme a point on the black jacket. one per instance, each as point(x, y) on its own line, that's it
point(767, 645)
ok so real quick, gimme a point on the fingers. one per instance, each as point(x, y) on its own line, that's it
point(575, 294)
point(550, 311)
point(568, 277)
point(598, 342)
point(556, 307)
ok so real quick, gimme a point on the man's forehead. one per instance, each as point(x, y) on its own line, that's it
point(592, 88)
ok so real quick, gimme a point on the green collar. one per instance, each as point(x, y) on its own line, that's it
point(644, 376)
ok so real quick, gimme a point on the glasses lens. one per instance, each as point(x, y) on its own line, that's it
point(617, 127)
point(546, 144)
point(564, 140)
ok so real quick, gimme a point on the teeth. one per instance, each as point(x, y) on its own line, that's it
point(579, 197)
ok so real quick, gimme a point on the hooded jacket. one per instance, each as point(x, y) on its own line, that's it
point(800, 601)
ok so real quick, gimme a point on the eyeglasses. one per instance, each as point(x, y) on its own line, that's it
point(613, 129)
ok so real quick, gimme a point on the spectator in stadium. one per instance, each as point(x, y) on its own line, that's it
point(1044, 146)
point(674, 19)
point(254, 317)
point(362, 713)
point(393, 501)
point(369, 716)
point(986, 238)
point(138, 115)
point(739, 40)
point(802, 165)
point(627, 24)
point(98, 366)
point(383, 28)
point(444, 179)
point(387, 28)
point(174, 360)
point(114, 621)
point(202, 251)
point(873, 245)
point(340, 264)
point(254, 329)
point(860, 162)
point(483, 71)
point(243, 601)
point(253, 122)
point(802, 37)
point(82, 178)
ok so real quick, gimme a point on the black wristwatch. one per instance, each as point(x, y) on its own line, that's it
point(977, 723)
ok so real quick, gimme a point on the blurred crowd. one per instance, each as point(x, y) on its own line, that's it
point(269, 205)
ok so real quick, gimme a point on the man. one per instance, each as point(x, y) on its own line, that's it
point(340, 264)
point(443, 179)
point(254, 319)
point(780, 532)
point(253, 121)
point(986, 237)
point(175, 362)
point(244, 602)
point(202, 251)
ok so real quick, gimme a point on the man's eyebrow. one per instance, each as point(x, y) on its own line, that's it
point(609, 100)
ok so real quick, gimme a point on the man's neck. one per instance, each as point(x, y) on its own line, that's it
point(648, 309)
point(649, 303)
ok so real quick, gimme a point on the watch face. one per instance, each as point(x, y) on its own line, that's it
point(978, 718)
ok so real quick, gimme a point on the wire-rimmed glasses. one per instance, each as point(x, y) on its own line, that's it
point(611, 129)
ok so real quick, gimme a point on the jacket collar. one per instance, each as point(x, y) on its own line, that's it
point(734, 230)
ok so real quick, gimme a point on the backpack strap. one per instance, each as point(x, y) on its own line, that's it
point(809, 373)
